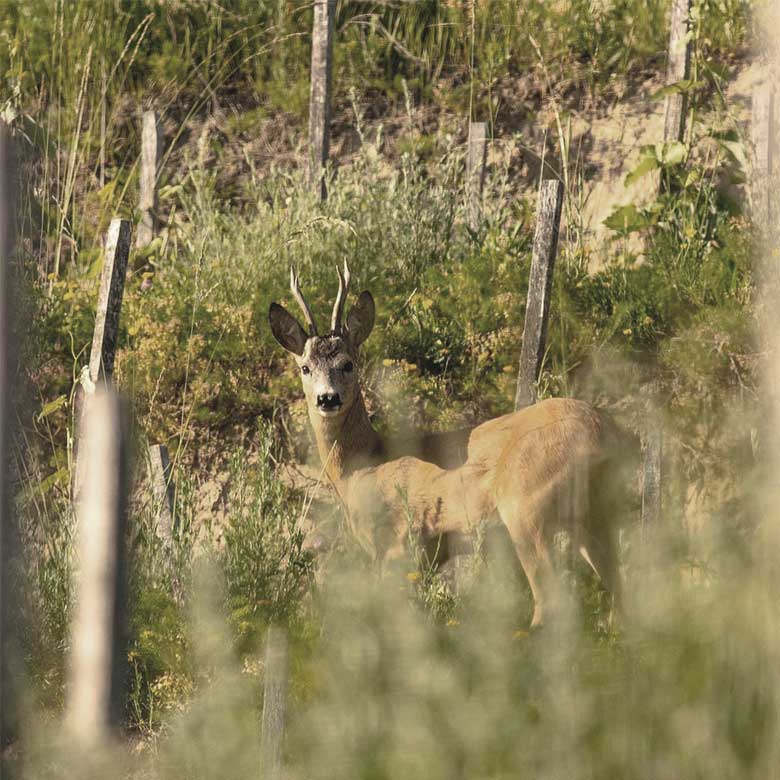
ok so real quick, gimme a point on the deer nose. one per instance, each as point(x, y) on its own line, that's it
point(329, 401)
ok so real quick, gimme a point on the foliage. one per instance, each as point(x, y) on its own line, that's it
point(76, 71)
point(267, 572)
point(46, 540)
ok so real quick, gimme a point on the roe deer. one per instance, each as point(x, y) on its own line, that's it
point(536, 470)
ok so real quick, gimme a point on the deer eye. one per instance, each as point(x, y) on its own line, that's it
point(305, 370)
point(347, 367)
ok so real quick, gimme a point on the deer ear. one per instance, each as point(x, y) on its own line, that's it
point(286, 329)
point(360, 319)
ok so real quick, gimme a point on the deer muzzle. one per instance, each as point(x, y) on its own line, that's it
point(328, 402)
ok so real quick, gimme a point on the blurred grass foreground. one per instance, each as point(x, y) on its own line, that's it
point(663, 314)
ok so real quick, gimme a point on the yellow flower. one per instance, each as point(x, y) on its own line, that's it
point(453, 622)
point(413, 576)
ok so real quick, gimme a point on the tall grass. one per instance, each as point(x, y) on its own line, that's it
point(78, 73)
point(383, 690)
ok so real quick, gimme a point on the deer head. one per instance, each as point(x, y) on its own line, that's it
point(328, 363)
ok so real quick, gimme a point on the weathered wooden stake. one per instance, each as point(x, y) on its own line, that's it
point(537, 310)
point(651, 477)
point(274, 704)
point(161, 481)
point(103, 134)
point(151, 154)
point(112, 288)
point(762, 135)
point(678, 68)
point(319, 100)
point(7, 624)
point(104, 337)
point(475, 171)
point(96, 666)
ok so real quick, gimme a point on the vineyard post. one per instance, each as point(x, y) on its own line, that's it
point(161, 481)
point(151, 154)
point(651, 478)
point(320, 95)
point(97, 662)
point(8, 625)
point(475, 171)
point(678, 68)
point(537, 310)
point(274, 704)
point(109, 305)
point(763, 208)
point(104, 337)
point(762, 134)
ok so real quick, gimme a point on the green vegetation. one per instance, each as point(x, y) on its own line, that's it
point(400, 675)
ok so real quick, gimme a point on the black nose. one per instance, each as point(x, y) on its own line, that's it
point(329, 401)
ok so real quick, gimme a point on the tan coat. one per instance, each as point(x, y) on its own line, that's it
point(535, 471)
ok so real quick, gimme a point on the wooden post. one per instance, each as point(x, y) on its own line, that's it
point(475, 171)
point(112, 288)
point(104, 337)
point(103, 101)
point(678, 68)
point(651, 478)
point(161, 481)
point(151, 154)
point(7, 600)
point(537, 310)
point(762, 136)
point(319, 100)
point(95, 702)
point(274, 704)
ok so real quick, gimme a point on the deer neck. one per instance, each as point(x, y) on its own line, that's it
point(346, 443)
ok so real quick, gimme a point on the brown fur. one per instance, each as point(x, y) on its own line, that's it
point(534, 471)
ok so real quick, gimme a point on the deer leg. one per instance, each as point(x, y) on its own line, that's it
point(536, 560)
point(598, 550)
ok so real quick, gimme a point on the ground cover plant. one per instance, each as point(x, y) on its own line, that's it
point(403, 673)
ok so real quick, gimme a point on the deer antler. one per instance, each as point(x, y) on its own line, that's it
point(295, 287)
point(338, 307)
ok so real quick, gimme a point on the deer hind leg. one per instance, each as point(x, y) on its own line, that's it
point(598, 549)
point(597, 538)
point(536, 559)
point(533, 550)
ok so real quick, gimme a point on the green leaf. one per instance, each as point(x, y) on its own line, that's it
point(170, 191)
point(59, 477)
point(52, 407)
point(681, 87)
point(736, 150)
point(672, 153)
point(628, 219)
point(647, 163)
